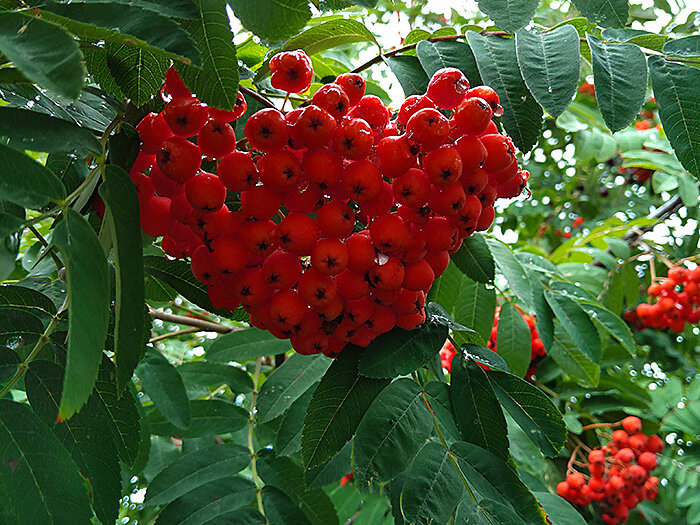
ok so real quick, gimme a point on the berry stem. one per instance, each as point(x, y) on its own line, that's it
point(49, 249)
point(251, 448)
point(601, 425)
point(190, 330)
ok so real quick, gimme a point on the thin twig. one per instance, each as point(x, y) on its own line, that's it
point(177, 333)
point(206, 326)
point(59, 264)
point(601, 425)
point(257, 96)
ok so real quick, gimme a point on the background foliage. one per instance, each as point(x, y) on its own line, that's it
point(109, 411)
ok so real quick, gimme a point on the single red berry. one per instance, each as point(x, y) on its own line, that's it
point(443, 165)
point(489, 95)
point(322, 167)
point(266, 130)
point(229, 254)
point(500, 152)
point(216, 139)
point(361, 252)
point(179, 159)
point(318, 289)
point(297, 233)
point(329, 256)
point(447, 200)
point(186, 116)
point(428, 128)
point(240, 107)
point(395, 156)
point(353, 85)
point(259, 237)
point(153, 131)
point(155, 216)
point(205, 192)
point(352, 284)
point(287, 308)
point(314, 128)
point(632, 424)
point(373, 111)
point(237, 171)
point(412, 188)
point(333, 99)
point(361, 181)
point(174, 85)
point(251, 289)
point(353, 139)
point(291, 71)
point(280, 171)
point(388, 276)
point(472, 116)
point(472, 152)
point(389, 233)
point(411, 105)
point(203, 267)
point(164, 185)
point(260, 203)
point(575, 480)
point(381, 204)
point(419, 275)
point(488, 214)
point(447, 87)
point(335, 219)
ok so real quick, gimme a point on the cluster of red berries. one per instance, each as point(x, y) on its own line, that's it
point(346, 216)
point(678, 302)
point(619, 473)
point(448, 351)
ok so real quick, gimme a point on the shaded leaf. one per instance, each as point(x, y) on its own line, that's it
point(498, 65)
point(25, 182)
point(474, 259)
point(548, 65)
point(391, 432)
point(122, 203)
point(559, 510)
point(87, 276)
point(41, 483)
point(513, 270)
point(288, 439)
point(477, 411)
point(513, 339)
point(611, 13)
point(204, 373)
point(207, 417)
point(509, 15)
point(276, 20)
point(138, 71)
point(620, 77)
point(163, 384)
point(195, 469)
point(245, 344)
point(532, 410)
point(43, 52)
point(330, 34)
point(572, 361)
point(409, 73)
point(16, 297)
point(336, 408)
point(288, 383)
point(577, 323)
point(438, 55)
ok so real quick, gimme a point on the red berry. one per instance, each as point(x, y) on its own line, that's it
point(237, 171)
point(335, 219)
point(155, 216)
point(314, 128)
point(412, 188)
point(186, 116)
point(472, 152)
point(297, 233)
point(472, 116)
point(396, 156)
point(361, 181)
point(205, 192)
point(280, 171)
point(333, 99)
point(500, 152)
point(632, 424)
point(353, 85)
point(329, 256)
point(291, 71)
point(260, 203)
point(174, 85)
point(373, 111)
point(428, 128)
point(322, 167)
point(389, 233)
point(216, 139)
point(266, 130)
point(413, 104)
point(259, 237)
point(229, 254)
point(387, 276)
point(153, 131)
point(179, 159)
point(317, 289)
point(353, 139)
point(443, 165)
point(447, 87)
point(575, 480)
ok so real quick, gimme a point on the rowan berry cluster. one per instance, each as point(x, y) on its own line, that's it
point(678, 302)
point(619, 473)
point(346, 216)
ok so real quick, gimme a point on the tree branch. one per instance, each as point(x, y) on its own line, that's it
point(257, 96)
point(205, 326)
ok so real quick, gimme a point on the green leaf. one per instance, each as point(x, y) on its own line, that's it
point(610, 13)
point(484, 355)
point(125, 24)
point(207, 417)
point(336, 408)
point(440, 399)
point(532, 410)
point(246, 344)
point(123, 421)
point(87, 276)
point(400, 352)
point(577, 323)
point(82, 435)
point(486, 512)
point(216, 80)
point(287, 475)
point(275, 20)
point(432, 488)
point(331, 471)
point(25, 182)
point(163, 384)
point(495, 481)
point(25, 129)
point(688, 46)
point(288, 383)
point(437, 55)
point(513, 270)
point(477, 411)
point(138, 71)
point(41, 483)
point(409, 73)
point(208, 503)
point(675, 89)
point(474, 259)
point(169, 8)
point(688, 190)
point(15, 297)
point(620, 77)
point(559, 510)
point(509, 15)
point(498, 65)
point(549, 63)
point(330, 34)
point(612, 324)
point(122, 204)
point(195, 469)
point(205, 373)
point(391, 432)
point(513, 339)
point(280, 509)
point(469, 303)
point(288, 439)
point(571, 360)
point(43, 52)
